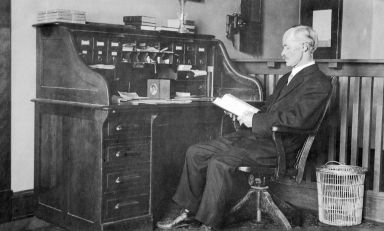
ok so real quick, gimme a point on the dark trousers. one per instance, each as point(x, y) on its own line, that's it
point(209, 182)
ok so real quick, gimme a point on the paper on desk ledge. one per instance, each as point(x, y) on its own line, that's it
point(184, 67)
point(128, 95)
point(199, 72)
point(102, 66)
point(117, 99)
point(183, 94)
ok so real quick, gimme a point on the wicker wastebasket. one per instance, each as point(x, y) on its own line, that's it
point(340, 193)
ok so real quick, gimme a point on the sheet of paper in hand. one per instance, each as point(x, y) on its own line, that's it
point(234, 105)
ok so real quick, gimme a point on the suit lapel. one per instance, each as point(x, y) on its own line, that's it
point(296, 81)
point(279, 87)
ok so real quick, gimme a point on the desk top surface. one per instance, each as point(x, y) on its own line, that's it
point(130, 106)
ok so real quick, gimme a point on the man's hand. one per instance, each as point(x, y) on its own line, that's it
point(246, 119)
point(233, 116)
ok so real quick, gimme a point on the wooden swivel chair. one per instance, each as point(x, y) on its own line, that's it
point(260, 176)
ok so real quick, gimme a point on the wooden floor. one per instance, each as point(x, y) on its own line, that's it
point(310, 223)
point(31, 223)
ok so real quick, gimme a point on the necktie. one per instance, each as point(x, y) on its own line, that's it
point(289, 79)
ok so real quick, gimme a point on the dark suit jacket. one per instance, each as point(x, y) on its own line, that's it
point(298, 105)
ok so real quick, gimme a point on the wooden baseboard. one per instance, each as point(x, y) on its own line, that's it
point(304, 196)
point(5, 206)
point(374, 206)
point(24, 204)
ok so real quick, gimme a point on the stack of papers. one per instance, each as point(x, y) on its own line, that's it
point(59, 15)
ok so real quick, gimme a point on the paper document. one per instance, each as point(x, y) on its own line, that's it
point(159, 101)
point(102, 66)
point(234, 105)
point(199, 72)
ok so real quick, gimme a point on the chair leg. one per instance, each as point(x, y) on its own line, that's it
point(284, 207)
point(258, 207)
point(273, 211)
point(268, 203)
point(240, 204)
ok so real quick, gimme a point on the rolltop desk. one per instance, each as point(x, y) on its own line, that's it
point(106, 166)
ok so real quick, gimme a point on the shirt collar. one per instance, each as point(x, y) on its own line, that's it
point(296, 70)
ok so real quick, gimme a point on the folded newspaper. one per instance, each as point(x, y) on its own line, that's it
point(234, 105)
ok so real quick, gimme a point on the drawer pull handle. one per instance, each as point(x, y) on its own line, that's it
point(121, 179)
point(123, 204)
point(123, 127)
point(121, 153)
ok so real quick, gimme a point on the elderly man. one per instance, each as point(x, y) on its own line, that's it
point(207, 181)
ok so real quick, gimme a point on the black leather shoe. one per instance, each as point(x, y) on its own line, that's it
point(182, 219)
point(206, 228)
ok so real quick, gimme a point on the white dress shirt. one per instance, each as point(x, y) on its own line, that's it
point(296, 70)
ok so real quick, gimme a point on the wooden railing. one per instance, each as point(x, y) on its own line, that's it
point(354, 131)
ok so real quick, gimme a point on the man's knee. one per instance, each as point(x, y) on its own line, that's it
point(191, 151)
point(224, 161)
point(220, 164)
point(194, 153)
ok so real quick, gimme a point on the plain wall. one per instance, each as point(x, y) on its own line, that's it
point(209, 17)
point(362, 29)
point(356, 29)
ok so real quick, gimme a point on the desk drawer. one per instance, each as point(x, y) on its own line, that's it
point(135, 128)
point(132, 151)
point(128, 179)
point(126, 207)
point(129, 128)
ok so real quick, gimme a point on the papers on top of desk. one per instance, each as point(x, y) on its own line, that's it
point(189, 68)
point(129, 95)
point(134, 99)
point(160, 101)
point(188, 96)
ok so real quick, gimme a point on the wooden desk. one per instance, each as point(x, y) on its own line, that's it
point(100, 166)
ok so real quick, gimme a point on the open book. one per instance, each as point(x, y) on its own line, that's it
point(234, 105)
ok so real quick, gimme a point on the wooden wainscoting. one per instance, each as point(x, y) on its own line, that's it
point(5, 112)
point(353, 133)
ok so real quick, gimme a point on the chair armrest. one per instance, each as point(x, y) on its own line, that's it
point(293, 130)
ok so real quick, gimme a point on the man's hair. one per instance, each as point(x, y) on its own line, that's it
point(306, 34)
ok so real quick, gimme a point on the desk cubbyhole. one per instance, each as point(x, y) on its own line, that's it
point(115, 44)
point(114, 57)
point(86, 55)
point(84, 42)
point(100, 43)
point(99, 56)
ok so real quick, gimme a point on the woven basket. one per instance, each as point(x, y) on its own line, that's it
point(340, 193)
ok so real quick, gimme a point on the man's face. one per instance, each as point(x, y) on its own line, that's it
point(292, 49)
